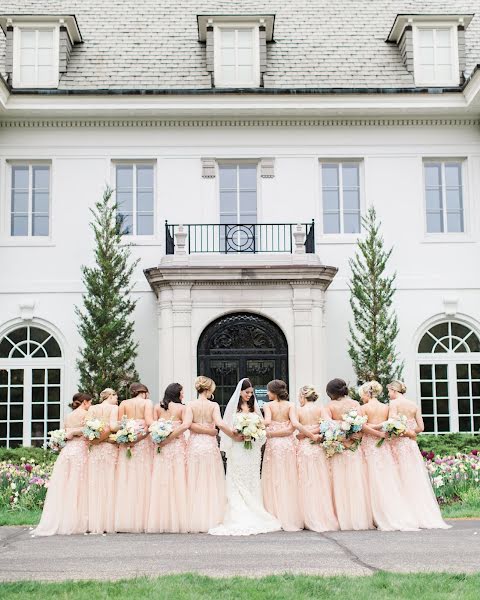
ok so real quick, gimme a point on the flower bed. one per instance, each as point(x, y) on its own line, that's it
point(453, 476)
point(23, 486)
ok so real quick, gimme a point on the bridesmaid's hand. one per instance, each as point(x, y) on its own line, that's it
point(356, 436)
point(69, 436)
point(317, 438)
point(238, 437)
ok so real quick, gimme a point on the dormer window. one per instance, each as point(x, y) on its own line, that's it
point(432, 47)
point(236, 48)
point(38, 48)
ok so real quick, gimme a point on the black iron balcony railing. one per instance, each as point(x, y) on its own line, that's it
point(233, 238)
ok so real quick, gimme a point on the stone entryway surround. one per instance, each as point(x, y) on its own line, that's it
point(193, 291)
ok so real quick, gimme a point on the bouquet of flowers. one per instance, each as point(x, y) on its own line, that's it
point(58, 439)
point(393, 427)
point(160, 430)
point(332, 436)
point(352, 423)
point(251, 426)
point(93, 430)
point(127, 434)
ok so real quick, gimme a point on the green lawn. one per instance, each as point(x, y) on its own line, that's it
point(381, 586)
point(20, 517)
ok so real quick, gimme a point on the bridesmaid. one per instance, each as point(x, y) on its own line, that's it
point(279, 471)
point(206, 496)
point(168, 495)
point(414, 478)
point(102, 461)
point(390, 508)
point(66, 506)
point(314, 477)
point(350, 490)
point(133, 474)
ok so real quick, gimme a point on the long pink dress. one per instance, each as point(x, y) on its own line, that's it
point(415, 482)
point(133, 476)
point(390, 508)
point(168, 492)
point(66, 506)
point(350, 490)
point(315, 487)
point(280, 479)
point(206, 499)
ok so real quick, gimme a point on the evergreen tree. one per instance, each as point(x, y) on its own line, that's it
point(108, 356)
point(375, 328)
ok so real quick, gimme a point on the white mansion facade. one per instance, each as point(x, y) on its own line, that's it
point(244, 141)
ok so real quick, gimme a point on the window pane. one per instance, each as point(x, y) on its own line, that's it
point(248, 177)
point(475, 369)
point(433, 175)
point(145, 176)
point(351, 200)
point(441, 371)
point(443, 38)
point(429, 424)
point(464, 424)
point(455, 222)
point(443, 424)
point(434, 199)
point(53, 411)
point(52, 348)
point(331, 200)
point(38, 429)
point(463, 406)
point(145, 224)
point(245, 38)
point(228, 203)
point(330, 175)
point(124, 177)
point(40, 202)
point(53, 394)
point(228, 177)
point(16, 412)
point(350, 176)
point(245, 74)
point(27, 74)
point(19, 201)
point(453, 174)
point(441, 388)
point(145, 201)
point(125, 201)
point(38, 411)
point(442, 406)
point(16, 430)
point(425, 37)
point(462, 371)
point(45, 38)
point(425, 371)
point(28, 38)
point(38, 376)
point(463, 389)
point(426, 344)
point(331, 223)
point(19, 225)
point(228, 38)
point(426, 390)
point(126, 223)
point(53, 375)
point(39, 225)
point(38, 335)
point(351, 223)
point(434, 222)
point(248, 202)
point(427, 407)
point(454, 199)
point(16, 395)
point(38, 394)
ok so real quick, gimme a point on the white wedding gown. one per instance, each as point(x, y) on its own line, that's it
point(245, 513)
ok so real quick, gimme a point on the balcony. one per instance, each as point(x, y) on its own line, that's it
point(235, 238)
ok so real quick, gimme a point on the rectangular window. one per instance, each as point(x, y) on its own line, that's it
point(238, 206)
point(434, 397)
point(30, 200)
point(444, 197)
point(135, 198)
point(237, 58)
point(436, 57)
point(341, 197)
point(37, 57)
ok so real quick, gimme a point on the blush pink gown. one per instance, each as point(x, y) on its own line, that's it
point(206, 494)
point(168, 492)
point(415, 482)
point(315, 487)
point(390, 508)
point(280, 479)
point(66, 506)
point(350, 490)
point(102, 462)
point(132, 480)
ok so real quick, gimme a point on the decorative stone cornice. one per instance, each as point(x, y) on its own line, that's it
point(168, 276)
point(286, 122)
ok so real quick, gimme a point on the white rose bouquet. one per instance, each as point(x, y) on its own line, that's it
point(57, 440)
point(251, 426)
point(393, 427)
point(160, 430)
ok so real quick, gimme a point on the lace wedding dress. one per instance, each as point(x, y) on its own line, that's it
point(245, 513)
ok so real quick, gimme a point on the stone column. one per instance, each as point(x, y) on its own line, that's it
point(182, 335)
point(165, 337)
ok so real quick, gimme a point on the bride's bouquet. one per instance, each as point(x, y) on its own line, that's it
point(332, 436)
point(393, 427)
point(93, 429)
point(352, 423)
point(127, 434)
point(160, 430)
point(57, 440)
point(251, 426)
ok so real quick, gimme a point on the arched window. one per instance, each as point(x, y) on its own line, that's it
point(449, 378)
point(31, 372)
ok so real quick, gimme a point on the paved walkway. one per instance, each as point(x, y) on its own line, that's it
point(123, 555)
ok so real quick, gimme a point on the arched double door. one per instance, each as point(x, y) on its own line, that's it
point(242, 345)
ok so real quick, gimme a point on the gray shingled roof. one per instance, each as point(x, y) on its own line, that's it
point(153, 44)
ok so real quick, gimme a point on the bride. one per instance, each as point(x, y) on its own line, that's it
point(245, 513)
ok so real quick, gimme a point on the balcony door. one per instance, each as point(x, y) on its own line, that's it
point(242, 345)
point(238, 206)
